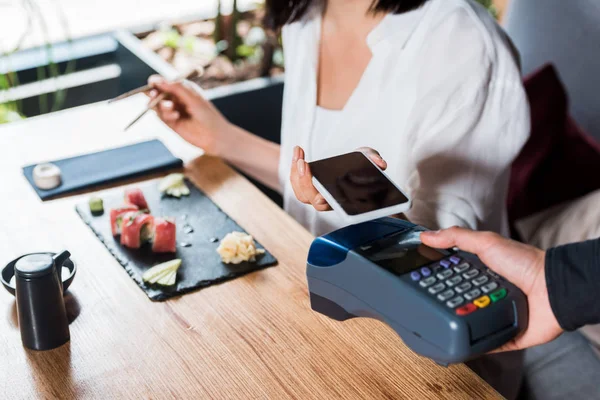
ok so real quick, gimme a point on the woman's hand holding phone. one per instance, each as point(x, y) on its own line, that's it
point(301, 177)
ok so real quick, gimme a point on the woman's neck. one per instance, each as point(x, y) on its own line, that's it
point(351, 16)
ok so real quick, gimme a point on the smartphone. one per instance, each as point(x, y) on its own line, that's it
point(357, 189)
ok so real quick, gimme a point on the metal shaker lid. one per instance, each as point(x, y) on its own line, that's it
point(34, 265)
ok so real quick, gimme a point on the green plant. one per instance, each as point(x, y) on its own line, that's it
point(226, 32)
point(233, 36)
point(9, 78)
point(227, 49)
point(172, 39)
point(218, 33)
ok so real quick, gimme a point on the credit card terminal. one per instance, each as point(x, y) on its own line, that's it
point(445, 304)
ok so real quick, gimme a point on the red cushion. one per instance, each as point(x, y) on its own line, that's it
point(560, 162)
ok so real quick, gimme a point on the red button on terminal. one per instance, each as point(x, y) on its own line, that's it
point(465, 310)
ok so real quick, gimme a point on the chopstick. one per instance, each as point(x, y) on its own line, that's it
point(154, 101)
point(150, 106)
point(131, 93)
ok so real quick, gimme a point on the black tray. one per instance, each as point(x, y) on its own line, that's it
point(201, 265)
point(108, 166)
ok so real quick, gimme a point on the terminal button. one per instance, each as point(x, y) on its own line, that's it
point(425, 271)
point(473, 294)
point(463, 287)
point(461, 268)
point(482, 302)
point(471, 274)
point(489, 287)
point(444, 274)
point(455, 260)
point(480, 281)
point(446, 295)
point(455, 302)
point(427, 282)
point(445, 263)
point(466, 310)
point(454, 281)
point(437, 288)
point(498, 295)
point(415, 275)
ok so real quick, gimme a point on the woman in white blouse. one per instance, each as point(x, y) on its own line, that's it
point(433, 85)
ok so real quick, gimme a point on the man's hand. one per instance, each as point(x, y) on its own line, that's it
point(520, 264)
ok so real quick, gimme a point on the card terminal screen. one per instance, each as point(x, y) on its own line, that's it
point(400, 253)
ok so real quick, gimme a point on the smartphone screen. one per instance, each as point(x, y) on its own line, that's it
point(356, 184)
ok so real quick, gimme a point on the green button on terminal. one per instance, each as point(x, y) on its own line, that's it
point(498, 295)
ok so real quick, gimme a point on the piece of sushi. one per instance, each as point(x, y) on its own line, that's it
point(165, 240)
point(116, 217)
point(137, 228)
point(136, 197)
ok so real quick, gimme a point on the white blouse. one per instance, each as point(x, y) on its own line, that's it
point(325, 121)
point(441, 99)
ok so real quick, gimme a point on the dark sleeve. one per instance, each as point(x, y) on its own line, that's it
point(573, 282)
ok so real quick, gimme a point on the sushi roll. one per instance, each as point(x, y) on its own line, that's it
point(136, 229)
point(136, 197)
point(116, 217)
point(164, 236)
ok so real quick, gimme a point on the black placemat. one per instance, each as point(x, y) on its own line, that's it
point(108, 166)
point(201, 265)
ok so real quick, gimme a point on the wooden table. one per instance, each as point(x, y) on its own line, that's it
point(254, 337)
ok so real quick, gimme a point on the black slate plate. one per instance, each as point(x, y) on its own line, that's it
point(108, 166)
point(201, 265)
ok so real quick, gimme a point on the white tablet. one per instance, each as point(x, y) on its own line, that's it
point(357, 189)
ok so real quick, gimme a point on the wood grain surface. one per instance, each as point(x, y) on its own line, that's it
point(254, 337)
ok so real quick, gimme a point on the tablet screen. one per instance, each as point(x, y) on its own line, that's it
point(356, 184)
